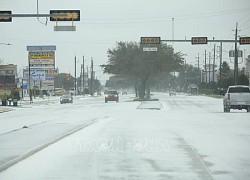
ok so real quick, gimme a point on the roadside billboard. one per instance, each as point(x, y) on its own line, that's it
point(43, 59)
point(36, 75)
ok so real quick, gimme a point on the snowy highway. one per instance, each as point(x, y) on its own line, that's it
point(177, 137)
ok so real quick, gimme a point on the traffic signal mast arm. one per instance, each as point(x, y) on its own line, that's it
point(229, 41)
point(33, 15)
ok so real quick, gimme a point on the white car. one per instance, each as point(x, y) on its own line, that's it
point(66, 98)
point(237, 97)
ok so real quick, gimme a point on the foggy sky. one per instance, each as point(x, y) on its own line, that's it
point(105, 22)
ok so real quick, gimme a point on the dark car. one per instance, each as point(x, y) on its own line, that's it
point(172, 92)
point(67, 98)
point(111, 96)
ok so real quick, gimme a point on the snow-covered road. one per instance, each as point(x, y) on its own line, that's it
point(188, 138)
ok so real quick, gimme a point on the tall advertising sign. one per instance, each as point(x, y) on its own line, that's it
point(41, 66)
point(43, 59)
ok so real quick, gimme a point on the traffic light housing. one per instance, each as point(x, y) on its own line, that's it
point(199, 40)
point(150, 40)
point(71, 15)
point(244, 40)
point(5, 19)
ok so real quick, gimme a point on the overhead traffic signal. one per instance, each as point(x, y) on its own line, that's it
point(150, 40)
point(199, 40)
point(67, 15)
point(244, 40)
point(5, 19)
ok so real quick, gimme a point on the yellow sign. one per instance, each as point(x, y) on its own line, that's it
point(42, 55)
point(45, 58)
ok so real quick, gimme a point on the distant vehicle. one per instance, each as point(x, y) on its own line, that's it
point(124, 93)
point(111, 96)
point(66, 98)
point(72, 91)
point(58, 92)
point(172, 92)
point(237, 97)
point(193, 89)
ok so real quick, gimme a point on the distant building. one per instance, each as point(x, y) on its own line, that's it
point(8, 70)
point(8, 75)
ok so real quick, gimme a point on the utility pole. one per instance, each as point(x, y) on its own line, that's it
point(214, 63)
point(172, 31)
point(83, 72)
point(206, 65)
point(209, 68)
point(220, 58)
point(236, 57)
point(75, 75)
point(198, 57)
point(81, 80)
point(198, 64)
point(91, 78)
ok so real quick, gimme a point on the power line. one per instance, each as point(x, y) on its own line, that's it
point(243, 24)
point(162, 18)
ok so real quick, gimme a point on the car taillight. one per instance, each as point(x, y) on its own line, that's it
point(228, 97)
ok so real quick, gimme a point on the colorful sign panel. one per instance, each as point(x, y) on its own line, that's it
point(42, 59)
point(36, 75)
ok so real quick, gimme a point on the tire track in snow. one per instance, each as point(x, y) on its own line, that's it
point(203, 171)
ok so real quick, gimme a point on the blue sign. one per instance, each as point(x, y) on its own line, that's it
point(49, 79)
point(41, 48)
point(25, 86)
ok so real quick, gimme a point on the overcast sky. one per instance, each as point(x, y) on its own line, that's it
point(105, 22)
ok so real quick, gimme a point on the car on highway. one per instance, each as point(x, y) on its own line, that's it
point(66, 98)
point(172, 92)
point(111, 96)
